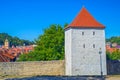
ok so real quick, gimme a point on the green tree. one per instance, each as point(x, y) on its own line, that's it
point(50, 45)
point(108, 55)
point(114, 40)
point(114, 55)
point(13, 40)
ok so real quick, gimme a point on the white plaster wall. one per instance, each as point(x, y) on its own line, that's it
point(85, 61)
point(68, 47)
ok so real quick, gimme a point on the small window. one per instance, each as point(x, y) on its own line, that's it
point(82, 33)
point(93, 33)
point(93, 45)
point(83, 45)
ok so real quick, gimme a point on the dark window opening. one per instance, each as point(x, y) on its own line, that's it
point(83, 45)
point(93, 45)
point(93, 33)
point(82, 33)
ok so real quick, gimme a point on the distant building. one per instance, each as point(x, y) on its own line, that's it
point(85, 52)
point(5, 56)
point(10, 54)
point(112, 48)
point(118, 46)
point(6, 44)
point(114, 44)
point(109, 44)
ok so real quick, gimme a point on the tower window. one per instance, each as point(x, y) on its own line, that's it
point(82, 33)
point(83, 45)
point(93, 33)
point(93, 45)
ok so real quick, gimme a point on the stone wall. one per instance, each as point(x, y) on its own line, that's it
point(46, 68)
point(32, 68)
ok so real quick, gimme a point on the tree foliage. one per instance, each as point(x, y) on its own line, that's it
point(50, 45)
point(13, 40)
point(114, 55)
point(114, 40)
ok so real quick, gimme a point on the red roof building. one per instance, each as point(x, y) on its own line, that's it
point(85, 20)
point(5, 56)
point(85, 40)
point(11, 54)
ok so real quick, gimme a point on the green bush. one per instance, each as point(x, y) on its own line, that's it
point(114, 55)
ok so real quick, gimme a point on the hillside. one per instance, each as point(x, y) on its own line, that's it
point(13, 40)
point(114, 40)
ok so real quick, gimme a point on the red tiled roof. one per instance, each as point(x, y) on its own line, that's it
point(9, 56)
point(85, 20)
point(3, 58)
point(111, 49)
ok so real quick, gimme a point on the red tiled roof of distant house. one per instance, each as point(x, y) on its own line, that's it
point(2, 57)
point(110, 49)
point(5, 56)
point(85, 20)
point(9, 56)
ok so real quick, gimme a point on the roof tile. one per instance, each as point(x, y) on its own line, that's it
point(85, 20)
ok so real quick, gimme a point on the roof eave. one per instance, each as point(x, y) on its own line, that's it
point(86, 27)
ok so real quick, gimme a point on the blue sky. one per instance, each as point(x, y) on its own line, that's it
point(26, 19)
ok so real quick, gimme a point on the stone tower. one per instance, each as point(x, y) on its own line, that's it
point(85, 52)
point(6, 44)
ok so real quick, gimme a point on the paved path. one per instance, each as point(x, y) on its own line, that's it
point(59, 78)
